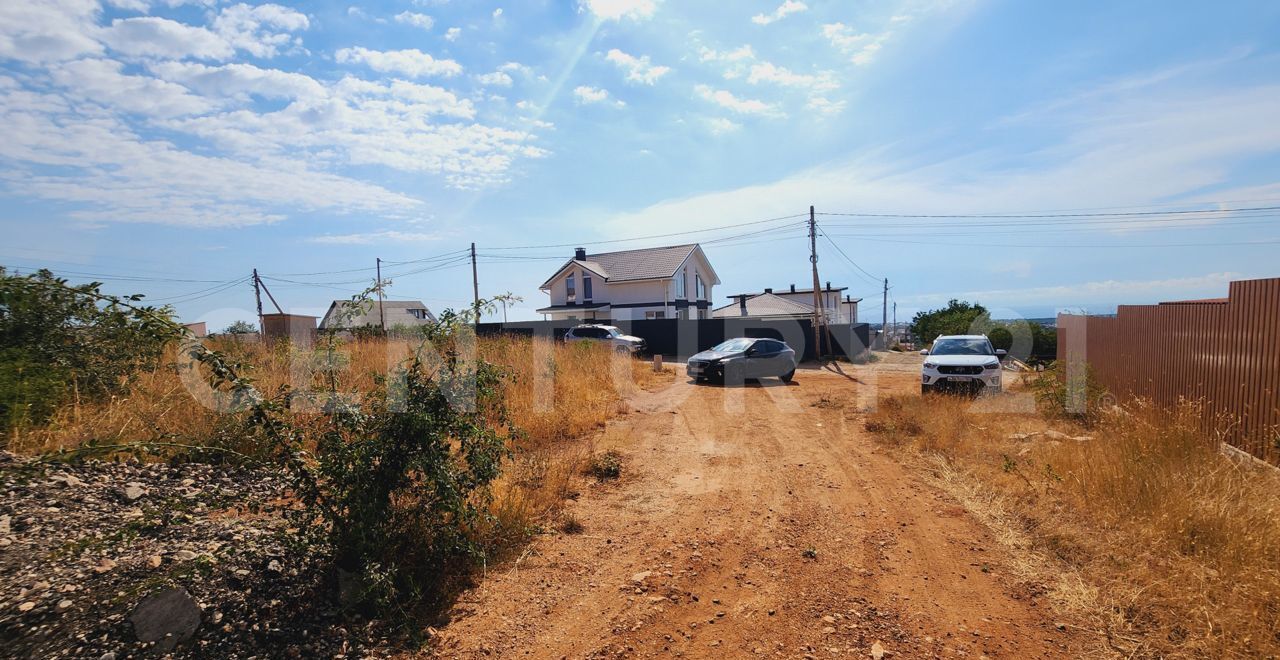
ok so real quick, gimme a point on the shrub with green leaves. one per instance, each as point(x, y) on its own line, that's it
point(59, 342)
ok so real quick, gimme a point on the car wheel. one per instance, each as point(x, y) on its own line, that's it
point(786, 378)
point(925, 390)
point(622, 350)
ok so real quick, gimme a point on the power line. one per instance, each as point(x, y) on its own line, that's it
point(1053, 215)
point(643, 238)
point(869, 276)
point(1061, 245)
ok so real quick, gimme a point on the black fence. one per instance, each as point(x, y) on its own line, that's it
point(682, 338)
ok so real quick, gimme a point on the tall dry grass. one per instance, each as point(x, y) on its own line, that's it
point(557, 394)
point(1154, 538)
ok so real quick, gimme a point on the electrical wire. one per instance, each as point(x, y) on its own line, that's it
point(652, 236)
point(1114, 214)
point(847, 258)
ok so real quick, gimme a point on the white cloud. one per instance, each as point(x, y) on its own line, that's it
point(113, 174)
point(738, 54)
point(721, 126)
point(415, 19)
point(101, 81)
point(495, 79)
point(727, 100)
point(861, 48)
point(825, 106)
point(261, 30)
point(784, 10)
point(771, 73)
point(389, 236)
point(586, 95)
point(150, 36)
point(614, 10)
point(639, 69)
point(452, 34)
point(410, 62)
point(48, 31)
point(239, 81)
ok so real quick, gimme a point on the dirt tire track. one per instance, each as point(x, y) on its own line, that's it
point(756, 521)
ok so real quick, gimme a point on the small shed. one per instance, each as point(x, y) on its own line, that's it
point(298, 328)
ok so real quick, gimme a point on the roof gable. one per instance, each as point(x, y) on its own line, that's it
point(631, 265)
point(765, 304)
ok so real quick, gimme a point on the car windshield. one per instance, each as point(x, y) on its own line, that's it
point(957, 346)
point(611, 331)
point(733, 346)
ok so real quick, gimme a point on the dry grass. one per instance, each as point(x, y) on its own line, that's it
point(1154, 538)
point(558, 395)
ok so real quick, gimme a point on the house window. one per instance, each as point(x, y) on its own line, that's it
point(699, 287)
point(649, 316)
point(570, 291)
point(682, 313)
point(420, 314)
point(680, 288)
point(702, 314)
point(586, 286)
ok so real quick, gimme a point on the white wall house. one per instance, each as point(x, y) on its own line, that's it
point(653, 283)
point(793, 303)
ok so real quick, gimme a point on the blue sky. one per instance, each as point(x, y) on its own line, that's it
point(174, 146)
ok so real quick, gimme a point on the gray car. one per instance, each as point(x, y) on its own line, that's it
point(738, 360)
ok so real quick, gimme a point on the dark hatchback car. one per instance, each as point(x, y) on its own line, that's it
point(738, 360)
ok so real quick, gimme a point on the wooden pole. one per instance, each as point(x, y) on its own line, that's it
point(475, 284)
point(257, 296)
point(817, 296)
point(884, 321)
point(382, 314)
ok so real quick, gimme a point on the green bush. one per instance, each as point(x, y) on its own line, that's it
point(59, 342)
point(1081, 398)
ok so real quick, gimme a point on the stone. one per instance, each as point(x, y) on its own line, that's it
point(877, 650)
point(168, 618)
point(26, 607)
point(64, 605)
point(4, 524)
point(132, 492)
point(640, 577)
point(1053, 434)
point(184, 555)
point(109, 655)
point(104, 566)
point(828, 619)
point(154, 561)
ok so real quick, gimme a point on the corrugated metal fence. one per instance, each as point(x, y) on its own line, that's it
point(1224, 353)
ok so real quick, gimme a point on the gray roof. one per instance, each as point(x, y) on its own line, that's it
point(764, 304)
point(398, 312)
point(627, 265)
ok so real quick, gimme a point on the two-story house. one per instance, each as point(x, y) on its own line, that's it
point(652, 283)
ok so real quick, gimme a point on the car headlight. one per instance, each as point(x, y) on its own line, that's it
point(930, 365)
point(992, 365)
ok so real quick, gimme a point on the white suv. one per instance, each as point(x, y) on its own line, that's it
point(961, 362)
point(606, 333)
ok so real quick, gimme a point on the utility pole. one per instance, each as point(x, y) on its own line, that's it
point(895, 319)
point(884, 322)
point(257, 295)
point(475, 284)
point(817, 305)
point(382, 314)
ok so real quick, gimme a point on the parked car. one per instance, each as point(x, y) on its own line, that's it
point(961, 363)
point(621, 343)
point(737, 360)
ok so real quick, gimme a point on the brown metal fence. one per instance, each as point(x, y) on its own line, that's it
point(1224, 353)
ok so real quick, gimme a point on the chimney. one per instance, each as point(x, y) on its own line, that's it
point(828, 286)
point(742, 304)
point(580, 254)
point(793, 288)
point(768, 290)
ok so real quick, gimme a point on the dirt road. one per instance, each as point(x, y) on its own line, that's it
point(758, 521)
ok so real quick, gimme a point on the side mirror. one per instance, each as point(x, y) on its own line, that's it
point(924, 351)
point(750, 351)
point(1000, 352)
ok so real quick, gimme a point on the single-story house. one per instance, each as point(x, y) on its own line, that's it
point(343, 315)
point(652, 283)
point(792, 303)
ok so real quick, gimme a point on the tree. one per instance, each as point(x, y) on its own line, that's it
point(59, 342)
point(957, 318)
point(240, 328)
